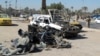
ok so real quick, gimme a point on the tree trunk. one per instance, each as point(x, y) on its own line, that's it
point(44, 6)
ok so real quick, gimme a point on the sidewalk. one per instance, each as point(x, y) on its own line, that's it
point(90, 29)
point(80, 20)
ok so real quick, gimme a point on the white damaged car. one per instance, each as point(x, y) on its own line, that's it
point(44, 20)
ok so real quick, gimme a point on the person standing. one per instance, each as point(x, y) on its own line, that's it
point(88, 21)
point(30, 18)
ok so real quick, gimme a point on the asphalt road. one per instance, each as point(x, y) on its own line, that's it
point(92, 25)
point(87, 43)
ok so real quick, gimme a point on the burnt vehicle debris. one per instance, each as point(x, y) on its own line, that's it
point(35, 38)
point(47, 36)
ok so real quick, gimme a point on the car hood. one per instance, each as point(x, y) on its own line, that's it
point(5, 19)
point(55, 26)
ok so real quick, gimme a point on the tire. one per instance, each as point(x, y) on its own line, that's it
point(28, 47)
point(22, 49)
point(80, 26)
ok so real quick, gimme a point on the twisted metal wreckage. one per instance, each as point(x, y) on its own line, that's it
point(35, 38)
point(40, 35)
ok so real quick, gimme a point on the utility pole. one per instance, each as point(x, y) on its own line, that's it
point(10, 8)
point(16, 8)
point(6, 6)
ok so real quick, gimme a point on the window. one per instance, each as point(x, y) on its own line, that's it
point(46, 21)
point(40, 19)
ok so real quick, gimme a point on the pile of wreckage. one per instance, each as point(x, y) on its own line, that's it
point(36, 38)
point(42, 34)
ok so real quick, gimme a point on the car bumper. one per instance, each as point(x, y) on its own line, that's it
point(6, 22)
point(97, 21)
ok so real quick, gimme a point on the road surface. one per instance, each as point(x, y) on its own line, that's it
point(92, 24)
point(86, 44)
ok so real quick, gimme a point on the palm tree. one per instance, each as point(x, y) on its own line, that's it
point(72, 8)
point(98, 10)
point(0, 7)
point(85, 9)
point(6, 5)
point(79, 12)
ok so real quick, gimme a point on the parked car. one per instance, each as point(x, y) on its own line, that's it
point(5, 19)
point(95, 16)
point(97, 20)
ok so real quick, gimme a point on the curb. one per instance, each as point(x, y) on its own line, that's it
point(90, 29)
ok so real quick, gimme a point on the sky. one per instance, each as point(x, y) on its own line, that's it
point(77, 4)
